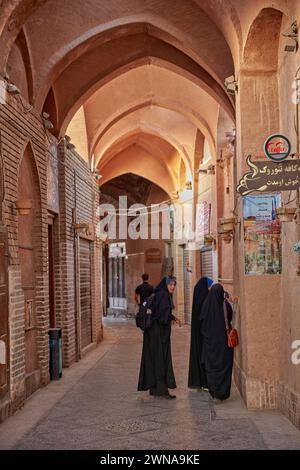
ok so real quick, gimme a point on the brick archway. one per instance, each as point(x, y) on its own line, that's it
point(29, 247)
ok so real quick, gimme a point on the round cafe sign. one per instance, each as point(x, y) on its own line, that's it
point(277, 147)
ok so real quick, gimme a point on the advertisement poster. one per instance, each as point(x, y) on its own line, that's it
point(52, 180)
point(262, 234)
point(202, 219)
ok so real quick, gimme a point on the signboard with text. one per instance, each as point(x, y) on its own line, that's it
point(269, 176)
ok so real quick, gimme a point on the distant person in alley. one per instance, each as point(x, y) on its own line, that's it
point(217, 357)
point(156, 370)
point(143, 290)
point(197, 376)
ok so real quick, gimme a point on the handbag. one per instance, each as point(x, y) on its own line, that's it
point(232, 334)
point(233, 339)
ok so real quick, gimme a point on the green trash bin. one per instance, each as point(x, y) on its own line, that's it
point(55, 344)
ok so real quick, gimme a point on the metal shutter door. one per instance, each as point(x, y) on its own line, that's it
point(187, 287)
point(85, 293)
point(206, 263)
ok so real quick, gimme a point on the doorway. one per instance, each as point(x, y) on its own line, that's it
point(85, 290)
point(51, 270)
point(207, 264)
point(29, 245)
point(116, 279)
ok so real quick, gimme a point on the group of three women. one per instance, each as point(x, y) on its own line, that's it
point(211, 360)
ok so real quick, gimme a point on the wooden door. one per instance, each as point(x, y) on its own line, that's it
point(52, 321)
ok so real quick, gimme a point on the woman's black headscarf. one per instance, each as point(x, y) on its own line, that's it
point(216, 355)
point(197, 377)
point(212, 313)
point(163, 302)
point(200, 294)
point(163, 285)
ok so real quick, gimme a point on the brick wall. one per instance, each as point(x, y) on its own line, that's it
point(289, 403)
point(17, 339)
point(20, 126)
point(257, 394)
point(78, 190)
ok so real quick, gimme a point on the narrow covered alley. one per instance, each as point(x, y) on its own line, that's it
point(149, 146)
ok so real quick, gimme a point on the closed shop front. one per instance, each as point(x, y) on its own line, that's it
point(85, 292)
point(207, 262)
point(116, 287)
point(187, 286)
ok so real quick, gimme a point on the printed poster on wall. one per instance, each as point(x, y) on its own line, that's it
point(52, 179)
point(202, 219)
point(262, 234)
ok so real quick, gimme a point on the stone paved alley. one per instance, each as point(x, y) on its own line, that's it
point(96, 406)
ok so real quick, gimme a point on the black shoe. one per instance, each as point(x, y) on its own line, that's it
point(169, 396)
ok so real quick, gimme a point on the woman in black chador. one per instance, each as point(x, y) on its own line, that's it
point(156, 372)
point(216, 355)
point(197, 376)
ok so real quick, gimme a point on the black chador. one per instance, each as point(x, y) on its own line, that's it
point(156, 371)
point(197, 377)
point(216, 355)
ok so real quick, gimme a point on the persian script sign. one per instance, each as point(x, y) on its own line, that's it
point(269, 176)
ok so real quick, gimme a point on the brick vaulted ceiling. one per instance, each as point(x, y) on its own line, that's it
point(74, 47)
point(71, 36)
point(130, 68)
